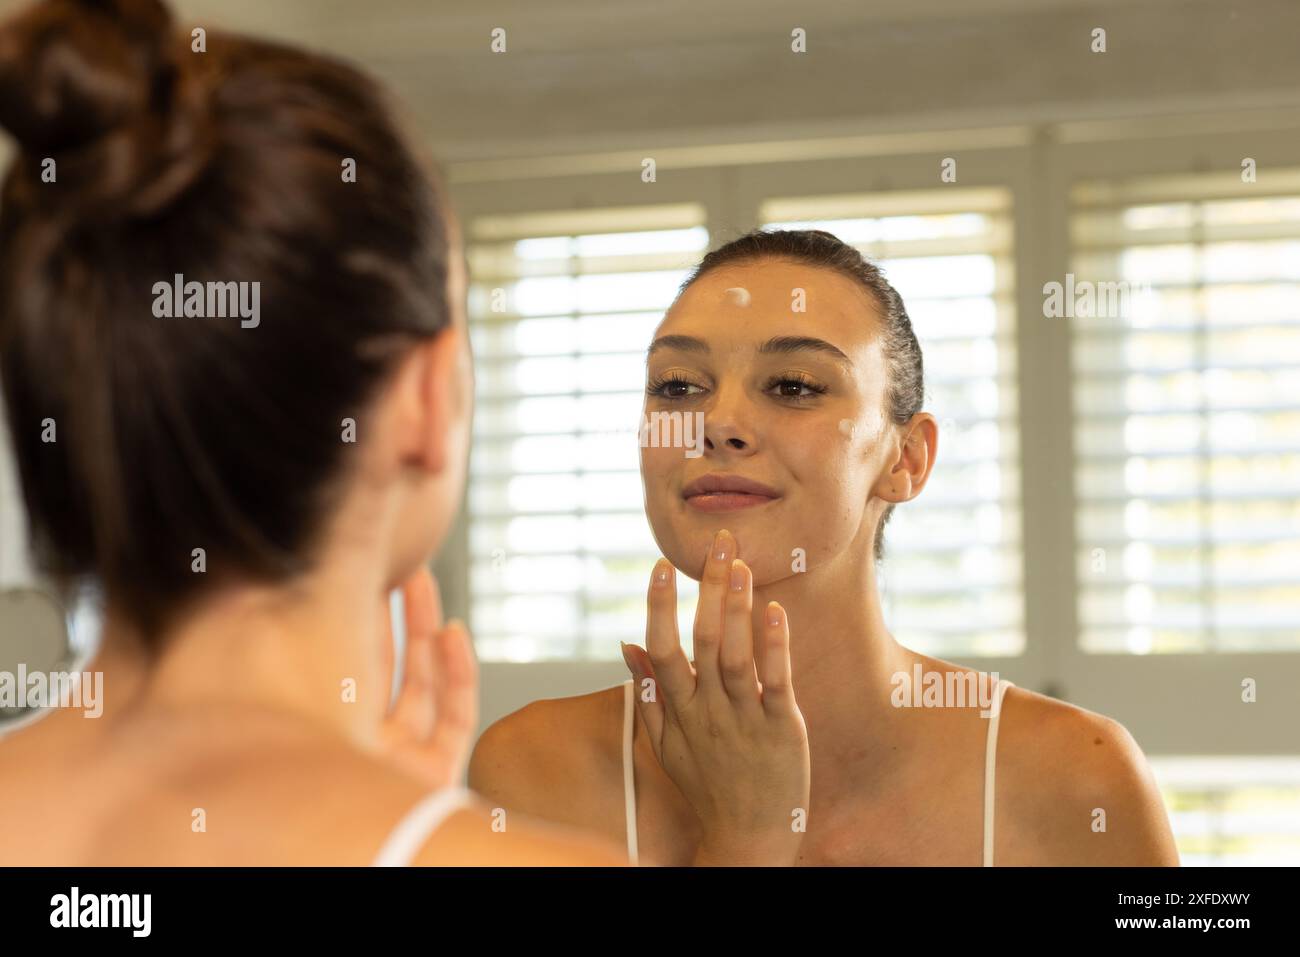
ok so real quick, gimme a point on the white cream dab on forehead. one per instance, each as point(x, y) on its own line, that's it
point(738, 294)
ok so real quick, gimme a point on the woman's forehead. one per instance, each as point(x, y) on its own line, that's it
point(768, 298)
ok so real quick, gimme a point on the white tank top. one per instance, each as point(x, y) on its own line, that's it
point(413, 830)
point(990, 762)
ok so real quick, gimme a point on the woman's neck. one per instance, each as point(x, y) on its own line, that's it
point(312, 649)
point(843, 661)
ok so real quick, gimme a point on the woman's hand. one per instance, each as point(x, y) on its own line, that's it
point(429, 730)
point(727, 731)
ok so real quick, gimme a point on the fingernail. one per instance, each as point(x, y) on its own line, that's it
point(737, 575)
point(773, 614)
point(720, 542)
point(661, 572)
point(627, 658)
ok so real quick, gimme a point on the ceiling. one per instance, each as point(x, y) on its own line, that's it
point(591, 74)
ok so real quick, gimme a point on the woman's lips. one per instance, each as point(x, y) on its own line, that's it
point(726, 492)
point(726, 501)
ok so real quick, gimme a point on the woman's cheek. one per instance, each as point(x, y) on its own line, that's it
point(828, 464)
point(660, 478)
point(661, 472)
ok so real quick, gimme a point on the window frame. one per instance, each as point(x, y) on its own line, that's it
point(1206, 714)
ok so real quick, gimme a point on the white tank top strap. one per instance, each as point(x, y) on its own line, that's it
point(990, 764)
point(413, 830)
point(629, 765)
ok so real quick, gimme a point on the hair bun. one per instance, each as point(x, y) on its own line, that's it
point(98, 81)
point(72, 70)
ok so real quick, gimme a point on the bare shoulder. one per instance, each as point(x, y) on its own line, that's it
point(553, 758)
point(324, 805)
point(220, 789)
point(374, 798)
point(480, 835)
point(1075, 788)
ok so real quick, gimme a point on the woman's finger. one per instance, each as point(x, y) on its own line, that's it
point(456, 674)
point(645, 693)
point(736, 659)
point(774, 673)
point(672, 669)
point(423, 605)
point(455, 704)
point(710, 611)
point(387, 650)
point(413, 711)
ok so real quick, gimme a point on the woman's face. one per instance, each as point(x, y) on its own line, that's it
point(785, 362)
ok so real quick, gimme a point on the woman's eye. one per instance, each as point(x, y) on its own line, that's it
point(672, 388)
point(795, 389)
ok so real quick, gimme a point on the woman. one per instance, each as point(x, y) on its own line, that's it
point(785, 741)
point(244, 484)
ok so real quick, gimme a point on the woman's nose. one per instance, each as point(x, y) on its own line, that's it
point(727, 424)
point(735, 442)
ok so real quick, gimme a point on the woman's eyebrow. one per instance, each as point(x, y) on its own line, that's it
point(684, 343)
point(775, 345)
point(784, 344)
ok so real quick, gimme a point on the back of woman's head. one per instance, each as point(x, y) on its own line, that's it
point(145, 164)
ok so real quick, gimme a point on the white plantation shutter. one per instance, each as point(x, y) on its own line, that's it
point(1231, 810)
point(1187, 415)
point(951, 580)
point(562, 308)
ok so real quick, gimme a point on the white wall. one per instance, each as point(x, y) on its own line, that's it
point(14, 566)
point(13, 531)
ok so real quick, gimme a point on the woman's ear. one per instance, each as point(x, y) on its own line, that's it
point(432, 399)
point(912, 460)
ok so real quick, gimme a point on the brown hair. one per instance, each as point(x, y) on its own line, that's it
point(905, 395)
point(173, 434)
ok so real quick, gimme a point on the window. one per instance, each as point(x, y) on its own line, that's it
point(1187, 395)
point(951, 579)
point(1185, 324)
point(1238, 811)
point(562, 308)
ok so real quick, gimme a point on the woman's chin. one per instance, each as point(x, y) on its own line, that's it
point(686, 537)
point(689, 557)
